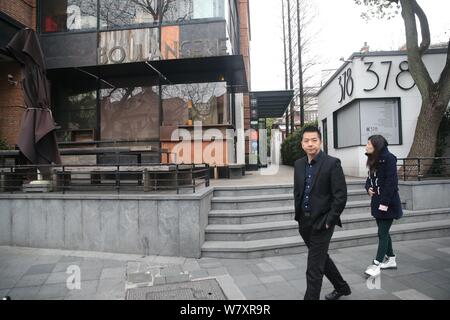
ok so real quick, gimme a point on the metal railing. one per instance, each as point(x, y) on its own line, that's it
point(120, 178)
point(423, 168)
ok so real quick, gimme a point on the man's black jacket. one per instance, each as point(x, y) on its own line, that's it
point(328, 192)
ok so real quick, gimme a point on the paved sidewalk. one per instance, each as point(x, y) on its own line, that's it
point(29, 273)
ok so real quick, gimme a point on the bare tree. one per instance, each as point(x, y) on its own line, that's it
point(303, 15)
point(435, 95)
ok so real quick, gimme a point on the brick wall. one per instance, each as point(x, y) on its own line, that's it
point(11, 103)
point(23, 11)
point(11, 97)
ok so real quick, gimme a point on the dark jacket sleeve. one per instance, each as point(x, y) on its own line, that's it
point(339, 193)
point(390, 182)
point(296, 187)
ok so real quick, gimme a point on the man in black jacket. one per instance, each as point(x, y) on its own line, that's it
point(320, 195)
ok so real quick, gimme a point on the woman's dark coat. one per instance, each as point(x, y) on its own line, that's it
point(384, 182)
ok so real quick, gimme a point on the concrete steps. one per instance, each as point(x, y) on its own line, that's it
point(289, 227)
point(341, 239)
point(271, 200)
point(258, 221)
point(271, 189)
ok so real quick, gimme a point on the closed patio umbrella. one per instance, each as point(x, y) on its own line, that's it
point(37, 139)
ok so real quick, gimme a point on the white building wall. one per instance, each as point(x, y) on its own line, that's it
point(353, 158)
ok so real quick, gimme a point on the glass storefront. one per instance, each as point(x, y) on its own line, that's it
point(130, 114)
point(76, 15)
point(184, 104)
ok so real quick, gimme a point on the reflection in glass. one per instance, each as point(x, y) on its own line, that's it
point(125, 13)
point(130, 113)
point(183, 104)
point(69, 15)
point(74, 111)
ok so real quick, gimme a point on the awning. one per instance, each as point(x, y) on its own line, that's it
point(8, 28)
point(192, 70)
point(272, 104)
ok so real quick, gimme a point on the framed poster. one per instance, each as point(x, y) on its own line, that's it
point(380, 116)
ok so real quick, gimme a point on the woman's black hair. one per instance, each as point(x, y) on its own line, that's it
point(379, 143)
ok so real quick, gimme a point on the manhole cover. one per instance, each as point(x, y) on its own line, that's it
point(194, 290)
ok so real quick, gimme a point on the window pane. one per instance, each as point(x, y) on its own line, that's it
point(75, 111)
point(184, 104)
point(130, 113)
point(124, 13)
point(69, 15)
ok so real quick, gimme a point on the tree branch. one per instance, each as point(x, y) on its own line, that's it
point(424, 27)
point(417, 67)
point(444, 80)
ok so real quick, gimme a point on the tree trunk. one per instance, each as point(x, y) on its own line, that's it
point(435, 96)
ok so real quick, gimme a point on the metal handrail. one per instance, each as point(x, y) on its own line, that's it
point(419, 168)
point(105, 177)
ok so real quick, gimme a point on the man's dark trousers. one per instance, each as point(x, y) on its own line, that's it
point(319, 262)
point(320, 195)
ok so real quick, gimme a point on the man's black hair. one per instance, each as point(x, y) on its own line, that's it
point(312, 129)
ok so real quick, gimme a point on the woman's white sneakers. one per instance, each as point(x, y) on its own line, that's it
point(374, 269)
point(389, 263)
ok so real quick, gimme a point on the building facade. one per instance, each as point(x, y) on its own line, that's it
point(372, 93)
point(14, 15)
point(172, 74)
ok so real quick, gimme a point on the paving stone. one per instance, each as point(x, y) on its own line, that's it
point(411, 294)
point(182, 277)
point(293, 274)
point(114, 264)
point(217, 271)
point(255, 292)
point(70, 259)
point(280, 263)
point(265, 267)
point(41, 268)
point(110, 289)
point(139, 277)
point(52, 291)
point(47, 259)
point(239, 270)
point(246, 280)
point(112, 273)
point(435, 292)
point(7, 283)
point(87, 291)
point(32, 280)
point(191, 266)
point(412, 281)
point(196, 274)
point(171, 270)
point(26, 293)
point(271, 279)
point(63, 266)
point(57, 277)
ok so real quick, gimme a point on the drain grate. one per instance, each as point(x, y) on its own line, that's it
point(193, 290)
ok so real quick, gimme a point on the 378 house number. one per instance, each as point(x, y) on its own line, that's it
point(346, 82)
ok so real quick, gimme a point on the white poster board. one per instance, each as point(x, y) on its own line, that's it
point(380, 117)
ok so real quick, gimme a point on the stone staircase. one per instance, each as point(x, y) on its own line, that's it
point(258, 221)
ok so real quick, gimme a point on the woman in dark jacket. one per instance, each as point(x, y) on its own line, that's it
point(382, 187)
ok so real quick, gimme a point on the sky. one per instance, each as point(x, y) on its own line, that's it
point(340, 32)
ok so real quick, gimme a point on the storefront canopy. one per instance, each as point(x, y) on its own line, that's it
point(272, 104)
point(191, 70)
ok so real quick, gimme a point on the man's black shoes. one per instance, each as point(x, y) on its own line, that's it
point(335, 295)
